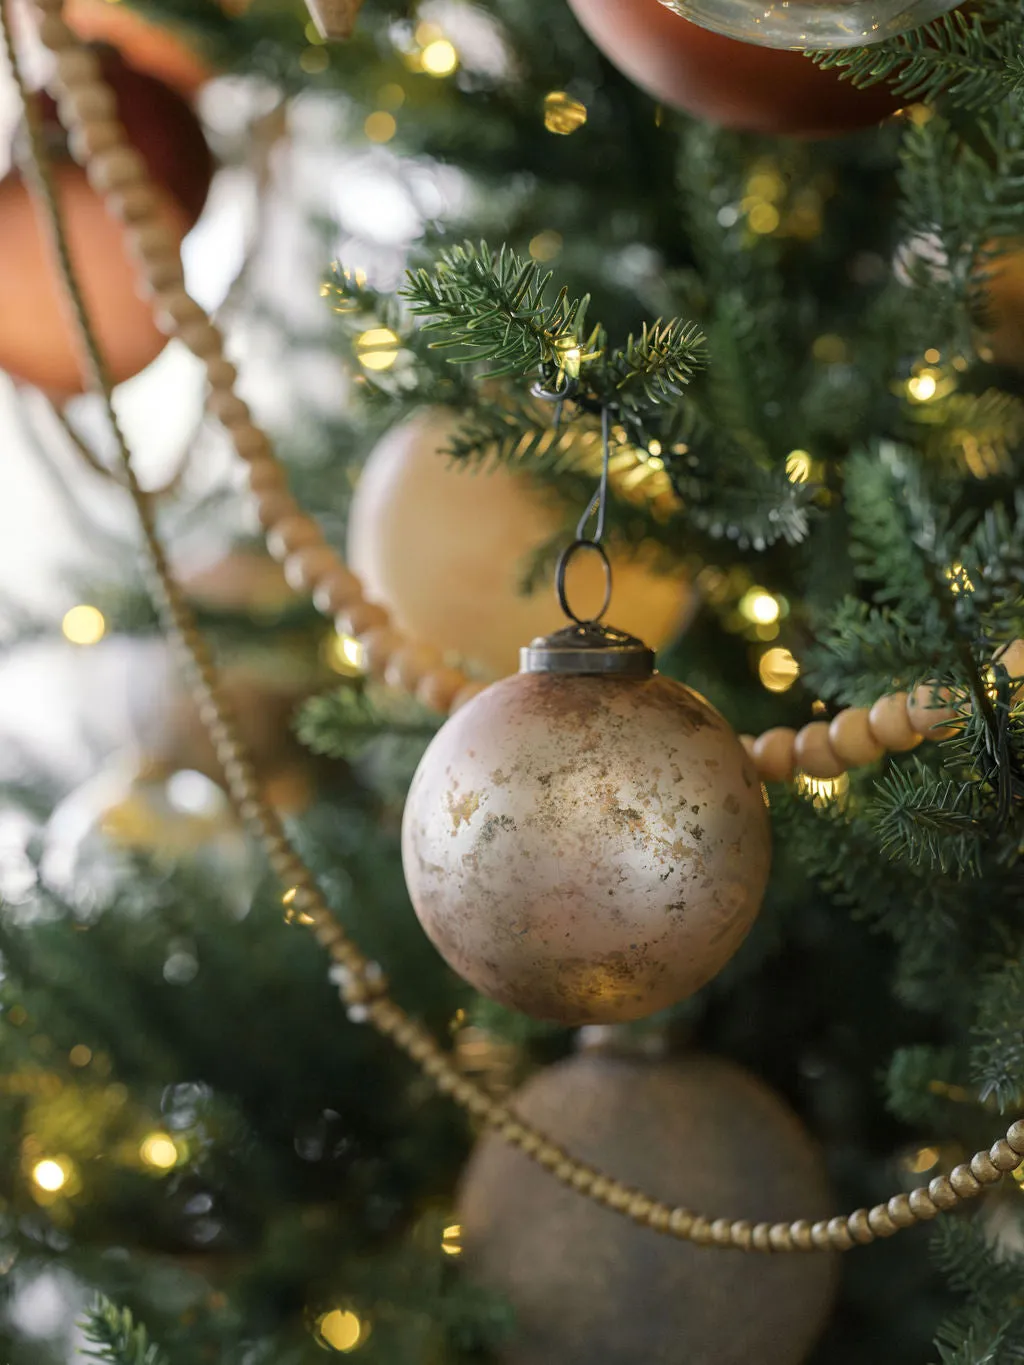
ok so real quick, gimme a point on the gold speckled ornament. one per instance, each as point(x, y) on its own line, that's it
point(587, 1286)
point(586, 848)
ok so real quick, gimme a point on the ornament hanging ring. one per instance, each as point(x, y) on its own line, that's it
point(564, 559)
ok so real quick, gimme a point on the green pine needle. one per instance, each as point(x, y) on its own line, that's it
point(116, 1339)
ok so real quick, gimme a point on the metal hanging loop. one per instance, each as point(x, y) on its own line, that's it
point(597, 506)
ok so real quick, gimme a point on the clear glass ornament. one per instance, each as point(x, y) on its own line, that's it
point(799, 24)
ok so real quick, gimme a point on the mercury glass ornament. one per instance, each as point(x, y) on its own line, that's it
point(586, 841)
point(800, 24)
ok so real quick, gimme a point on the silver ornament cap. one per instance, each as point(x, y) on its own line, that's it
point(588, 647)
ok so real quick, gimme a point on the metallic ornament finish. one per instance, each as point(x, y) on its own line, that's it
point(803, 24)
point(590, 1288)
point(586, 849)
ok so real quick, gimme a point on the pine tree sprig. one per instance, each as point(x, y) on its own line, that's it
point(972, 56)
point(116, 1339)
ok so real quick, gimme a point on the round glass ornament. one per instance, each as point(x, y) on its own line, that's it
point(815, 24)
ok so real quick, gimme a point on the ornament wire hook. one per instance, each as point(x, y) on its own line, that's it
point(598, 505)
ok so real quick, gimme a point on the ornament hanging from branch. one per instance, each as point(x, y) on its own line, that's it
point(334, 19)
point(586, 841)
point(810, 24)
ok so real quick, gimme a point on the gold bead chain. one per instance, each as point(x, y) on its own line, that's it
point(294, 538)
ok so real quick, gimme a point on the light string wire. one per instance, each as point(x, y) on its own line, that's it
point(361, 983)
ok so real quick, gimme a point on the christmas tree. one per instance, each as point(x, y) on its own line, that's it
point(533, 294)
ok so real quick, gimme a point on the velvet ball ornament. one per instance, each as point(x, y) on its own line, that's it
point(445, 549)
point(737, 84)
point(586, 1284)
point(38, 344)
point(587, 845)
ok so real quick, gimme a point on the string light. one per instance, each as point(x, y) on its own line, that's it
point(291, 914)
point(451, 1240)
point(51, 1175)
point(922, 387)
point(829, 349)
point(924, 1159)
point(933, 357)
point(377, 347)
point(562, 113)
point(823, 791)
point(314, 60)
point(546, 245)
point(159, 1151)
point(439, 58)
point(777, 669)
point(958, 580)
point(346, 655)
point(798, 466)
point(80, 1055)
point(391, 96)
point(759, 606)
point(380, 126)
point(342, 1330)
point(84, 625)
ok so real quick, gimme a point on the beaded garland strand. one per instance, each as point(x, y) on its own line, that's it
point(855, 736)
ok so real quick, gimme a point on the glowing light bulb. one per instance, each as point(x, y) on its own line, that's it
point(759, 606)
point(50, 1175)
point(342, 1330)
point(451, 1240)
point(777, 669)
point(922, 387)
point(439, 58)
point(380, 126)
point(84, 625)
point(159, 1151)
point(346, 655)
point(377, 347)
point(798, 466)
point(823, 791)
point(563, 114)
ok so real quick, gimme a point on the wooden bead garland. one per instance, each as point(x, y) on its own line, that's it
point(361, 984)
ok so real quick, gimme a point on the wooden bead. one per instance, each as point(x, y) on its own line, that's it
point(438, 688)
point(360, 617)
point(174, 308)
point(55, 34)
point(1015, 1135)
point(964, 1181)
point(160, 273)
point(760, 1236)
point(221, 374)
point(879, 1221)
point(1003, 1157)
point(291, 534)
point(303, 568)
point(153, 242)
point(275, 506)
point(900, 1211)
point(741, 1233)
point(202, 338)
point(228, 408)
point(928, 716)
point(851, 739)
point(721, 1232)
point(679, 1222)
point(819, 1235)
point(800, 1233)
point(748, 742)
point(890, 725)
point(77, 66)
point(779, 1237)
point(839, 1234)
point(337, 590)
point(265, 475)
point(922, 1205)
point(409, 664)
point(466, 694)
point(95, 103)
point(133, 204)
point(812, 753)
point(773, 754)
point(92, 138)
point(860, 1228)
point(249, 441)
point(941, 1193)
point(984, 1170)
point(116, 168)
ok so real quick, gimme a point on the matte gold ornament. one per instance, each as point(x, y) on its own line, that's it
point(589, 1286)
point(586, 841)
point(445, 550)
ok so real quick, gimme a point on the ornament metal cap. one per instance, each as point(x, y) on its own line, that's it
point(588, 647)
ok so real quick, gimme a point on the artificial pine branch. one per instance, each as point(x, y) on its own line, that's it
point(116, 1339)
point(922, 818)
point(972, 56)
